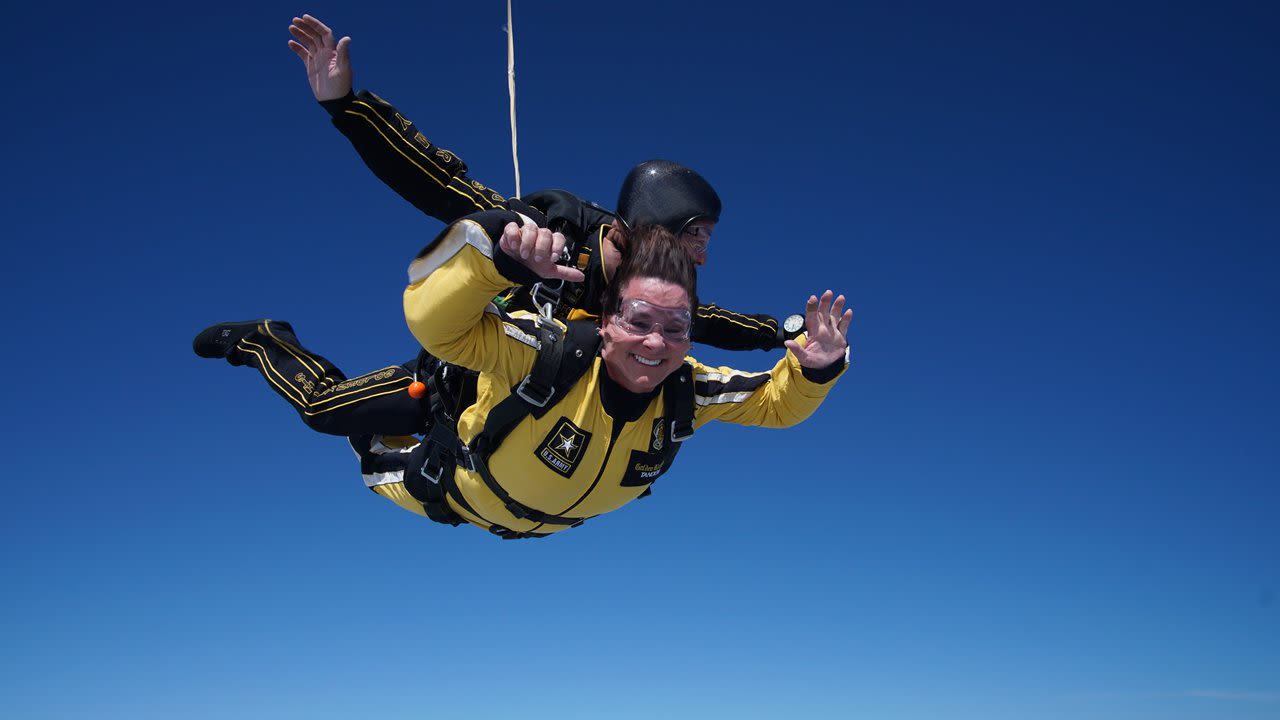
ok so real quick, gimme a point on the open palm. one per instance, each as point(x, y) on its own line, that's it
point(826, 328)
point(328, 62)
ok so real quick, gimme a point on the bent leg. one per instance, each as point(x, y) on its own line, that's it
point(375, 403)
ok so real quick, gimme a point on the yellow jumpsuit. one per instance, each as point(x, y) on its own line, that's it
point(575, 460)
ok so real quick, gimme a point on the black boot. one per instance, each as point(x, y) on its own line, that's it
point(217, 341)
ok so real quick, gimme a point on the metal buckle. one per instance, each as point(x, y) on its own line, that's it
point(524, 388)
point(680, 434)
point(546, 296)
point(465, 459)
point(434, 477)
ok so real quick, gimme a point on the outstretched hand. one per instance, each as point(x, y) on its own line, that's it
point(538, 249)
point(328, 63)
point(827, 328)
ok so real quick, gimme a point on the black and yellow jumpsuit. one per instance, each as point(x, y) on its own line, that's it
point(578, 458)
point(435, 181)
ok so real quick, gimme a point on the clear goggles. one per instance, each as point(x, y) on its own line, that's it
point(696, 237)
point(637, 317)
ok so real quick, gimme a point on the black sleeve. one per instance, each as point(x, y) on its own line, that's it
point(584, 225)
point(433, 179)
point(728, 330)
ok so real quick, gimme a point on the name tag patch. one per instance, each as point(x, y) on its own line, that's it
point(643, 468)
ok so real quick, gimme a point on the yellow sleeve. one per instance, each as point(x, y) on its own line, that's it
point(781, 397)
point(447, 305)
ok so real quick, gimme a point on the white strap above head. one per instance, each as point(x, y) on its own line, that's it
point(511, 92)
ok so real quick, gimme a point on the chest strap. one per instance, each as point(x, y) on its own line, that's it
point(476, 463)
point(562, 360)
point(558, 367)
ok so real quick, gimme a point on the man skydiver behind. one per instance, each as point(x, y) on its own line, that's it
point(436, 182)
point(378, 403)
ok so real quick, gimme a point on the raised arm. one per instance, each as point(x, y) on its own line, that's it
point(796, 385)
point(453, 279)
point(431, 178)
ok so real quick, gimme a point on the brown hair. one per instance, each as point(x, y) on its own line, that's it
point(652, 251)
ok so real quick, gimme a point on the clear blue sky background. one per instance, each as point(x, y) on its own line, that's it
point(1046, 489)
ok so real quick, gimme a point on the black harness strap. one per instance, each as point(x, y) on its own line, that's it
point(553, 371)
point(429, 476)
point(540, 384)
point(677, 393)
point(513, 506)
point(562, 360)
point(677, 408)
point(550, 380)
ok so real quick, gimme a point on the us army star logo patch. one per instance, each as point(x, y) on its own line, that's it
point(562, 448)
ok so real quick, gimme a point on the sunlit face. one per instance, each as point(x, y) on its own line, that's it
point(695, 238)
point(640, 363)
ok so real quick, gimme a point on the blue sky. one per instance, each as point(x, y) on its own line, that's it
point(1046, 488)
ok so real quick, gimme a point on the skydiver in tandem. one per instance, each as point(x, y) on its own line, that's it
point(377, 403)
point(570, 420)
point(435, 181)
point(658, 193)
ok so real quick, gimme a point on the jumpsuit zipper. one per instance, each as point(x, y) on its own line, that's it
point(614, 434)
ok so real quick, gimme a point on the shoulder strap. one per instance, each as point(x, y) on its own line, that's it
point(562, 360)
point(677, 410)
point(677, 394)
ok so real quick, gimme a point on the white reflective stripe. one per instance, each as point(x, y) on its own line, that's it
point(721, 398)
point(516, 333)
point(714, 376)
point(465, 232)
point(383, 478)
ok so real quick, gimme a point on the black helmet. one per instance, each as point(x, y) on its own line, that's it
point(661, 192)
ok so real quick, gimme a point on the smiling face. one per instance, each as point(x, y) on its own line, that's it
point(640, 363)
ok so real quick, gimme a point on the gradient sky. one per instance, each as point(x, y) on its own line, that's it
point(1047, 488)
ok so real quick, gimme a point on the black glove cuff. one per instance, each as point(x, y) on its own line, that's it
point(824, 375)
point(513, 269)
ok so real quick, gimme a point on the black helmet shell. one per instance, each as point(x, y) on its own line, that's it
point(661, 192)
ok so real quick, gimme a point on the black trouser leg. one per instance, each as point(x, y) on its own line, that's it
point(375, 403)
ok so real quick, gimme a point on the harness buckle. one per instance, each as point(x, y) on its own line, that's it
point(464, 457)
point(681, 430)
point(432, 470)
point(517, 510)
point(546, 295)
point(535, 393)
